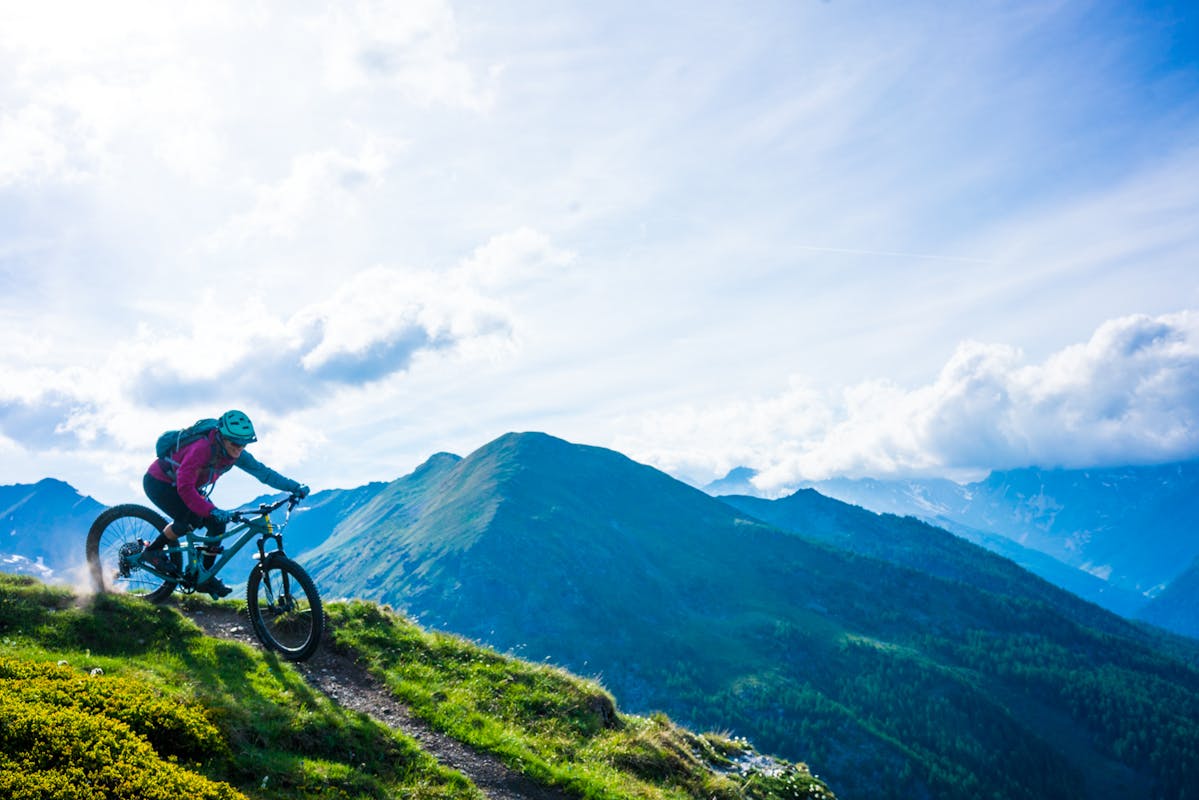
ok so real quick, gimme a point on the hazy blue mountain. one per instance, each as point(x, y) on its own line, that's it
point(928, 499)
point(1132, 526)
point(1177, 608)
point(1113, 536)
point(316, 517)
point(739, 480)
point(910, 542)
point(43, 528)
point(1076, 581)
point(937, 501)
point(898, 660)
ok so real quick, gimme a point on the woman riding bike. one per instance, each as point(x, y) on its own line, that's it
point(180, 483)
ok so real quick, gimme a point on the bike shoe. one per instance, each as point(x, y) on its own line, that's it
point(215, 587)
point(160, 561)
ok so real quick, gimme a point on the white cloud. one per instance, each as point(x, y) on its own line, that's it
point(320, 186)
point(423, 309)
point(87, 85)
point(413, 46)
point(515, 258)
point(118, 90)
point(31, 148)
point(382, 308)
point(375, 326)
point(1129, 394)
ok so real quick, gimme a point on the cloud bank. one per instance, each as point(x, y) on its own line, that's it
point(373, 328)
point(1130, 394)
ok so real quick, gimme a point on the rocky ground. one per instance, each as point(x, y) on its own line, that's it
point(349, 685)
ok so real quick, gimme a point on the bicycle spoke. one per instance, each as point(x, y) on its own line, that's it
point(113, 543)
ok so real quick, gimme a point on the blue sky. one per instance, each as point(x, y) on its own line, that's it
point(817, 238)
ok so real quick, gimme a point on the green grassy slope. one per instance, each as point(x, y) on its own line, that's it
point(559, 729)
point(114, 698)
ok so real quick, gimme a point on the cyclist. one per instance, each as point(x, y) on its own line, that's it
point(180, 484)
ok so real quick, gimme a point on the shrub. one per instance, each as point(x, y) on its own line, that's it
point(77, 736)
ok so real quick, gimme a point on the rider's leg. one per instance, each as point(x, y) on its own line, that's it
point(214, 585)
point(165, 496)
point(214, 529)
point(165, 536)
point(184, 520)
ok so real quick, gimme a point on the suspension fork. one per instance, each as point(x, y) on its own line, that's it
point(264, 562)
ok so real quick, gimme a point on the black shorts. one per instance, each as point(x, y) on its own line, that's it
point(183, 519)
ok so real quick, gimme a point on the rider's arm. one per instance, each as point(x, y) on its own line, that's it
point(265, 474)
point(193, 472)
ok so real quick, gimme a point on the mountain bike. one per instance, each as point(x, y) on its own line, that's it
point(284, 606)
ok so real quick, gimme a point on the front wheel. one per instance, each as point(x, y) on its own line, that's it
point(114, 539)
point(285, 609)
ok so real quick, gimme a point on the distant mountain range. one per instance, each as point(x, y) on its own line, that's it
point(1117, 537)
point(896, 658)
point(42, 526)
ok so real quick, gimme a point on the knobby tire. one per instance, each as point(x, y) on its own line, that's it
point(126, 526)
point(285, 609)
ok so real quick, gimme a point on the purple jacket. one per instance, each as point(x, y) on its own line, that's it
point(201, 463)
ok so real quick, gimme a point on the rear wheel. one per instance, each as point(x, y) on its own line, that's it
point(285, 609)
point(115, 537)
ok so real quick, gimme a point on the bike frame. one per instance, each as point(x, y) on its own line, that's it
point(252, 523)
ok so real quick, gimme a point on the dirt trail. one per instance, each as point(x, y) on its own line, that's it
point(349, 685)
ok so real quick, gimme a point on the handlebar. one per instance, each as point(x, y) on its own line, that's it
point(291, 501)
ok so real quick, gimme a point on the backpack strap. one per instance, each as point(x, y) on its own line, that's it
point(170, 466)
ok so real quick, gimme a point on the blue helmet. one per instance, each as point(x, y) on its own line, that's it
point(236, 427)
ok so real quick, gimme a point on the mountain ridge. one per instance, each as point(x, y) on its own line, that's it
point(1116, 536)
point(42, 525)
point(909, 542)
point(1175, 608)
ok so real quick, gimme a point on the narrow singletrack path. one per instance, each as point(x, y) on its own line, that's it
point(351, 686)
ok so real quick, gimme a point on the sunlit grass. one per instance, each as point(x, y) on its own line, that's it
point(266, 734)
point(553, 726)
point(275, 738)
